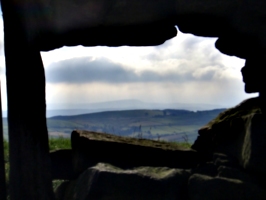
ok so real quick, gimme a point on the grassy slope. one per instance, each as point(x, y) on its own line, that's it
point(169, 124)
point(174, 125)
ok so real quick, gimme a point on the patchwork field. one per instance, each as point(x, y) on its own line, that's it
point(170, 125)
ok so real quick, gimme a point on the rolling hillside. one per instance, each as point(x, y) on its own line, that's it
point(171, 125)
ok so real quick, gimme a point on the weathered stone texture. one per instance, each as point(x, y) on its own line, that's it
point(240, 134)
point(89, 148)
point(208, 188)
point(234, 141)
point(105, 181)
point(227, 129)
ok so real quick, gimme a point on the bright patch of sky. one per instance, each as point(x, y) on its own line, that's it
point(185, 69)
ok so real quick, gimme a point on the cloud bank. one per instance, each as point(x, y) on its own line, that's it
point(191, 59)
point(185, 69)
point(89, 70)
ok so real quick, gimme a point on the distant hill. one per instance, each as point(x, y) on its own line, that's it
point(127, 104)
point(119, 105)
point(168, 124)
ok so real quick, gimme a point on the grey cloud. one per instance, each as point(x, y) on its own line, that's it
point(192, 42)
point(82, 70)
point(153, 57)
point(87, 70)
point(205, 74)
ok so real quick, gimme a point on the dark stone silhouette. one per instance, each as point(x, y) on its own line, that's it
point(126, 152)
point(62, 164)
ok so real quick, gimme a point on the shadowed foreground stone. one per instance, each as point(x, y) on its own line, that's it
point(222, 133)
point(205, 187)
point(62, 167)
point(240, 133)
point(89, 148)
point(105, 181)
point(234, 142)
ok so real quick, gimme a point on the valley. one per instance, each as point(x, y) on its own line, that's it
point(169, 124)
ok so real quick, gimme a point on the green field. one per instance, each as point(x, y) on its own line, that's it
point(170, 125)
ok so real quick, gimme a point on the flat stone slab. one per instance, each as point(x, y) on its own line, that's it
point(90, 148)
point(105, 181)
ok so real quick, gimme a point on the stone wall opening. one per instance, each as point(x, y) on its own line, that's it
point(186, 72)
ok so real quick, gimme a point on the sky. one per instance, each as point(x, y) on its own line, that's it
point(185, 69)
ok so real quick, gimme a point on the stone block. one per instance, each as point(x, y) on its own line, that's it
point(90, 148)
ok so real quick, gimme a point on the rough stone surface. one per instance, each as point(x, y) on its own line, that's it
point(253, 150)
point(226, 127)
point(218, 188)
point(239, 133)
point(239, 137)
point(105, 181)
point(89, 148)
point(238, 174)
